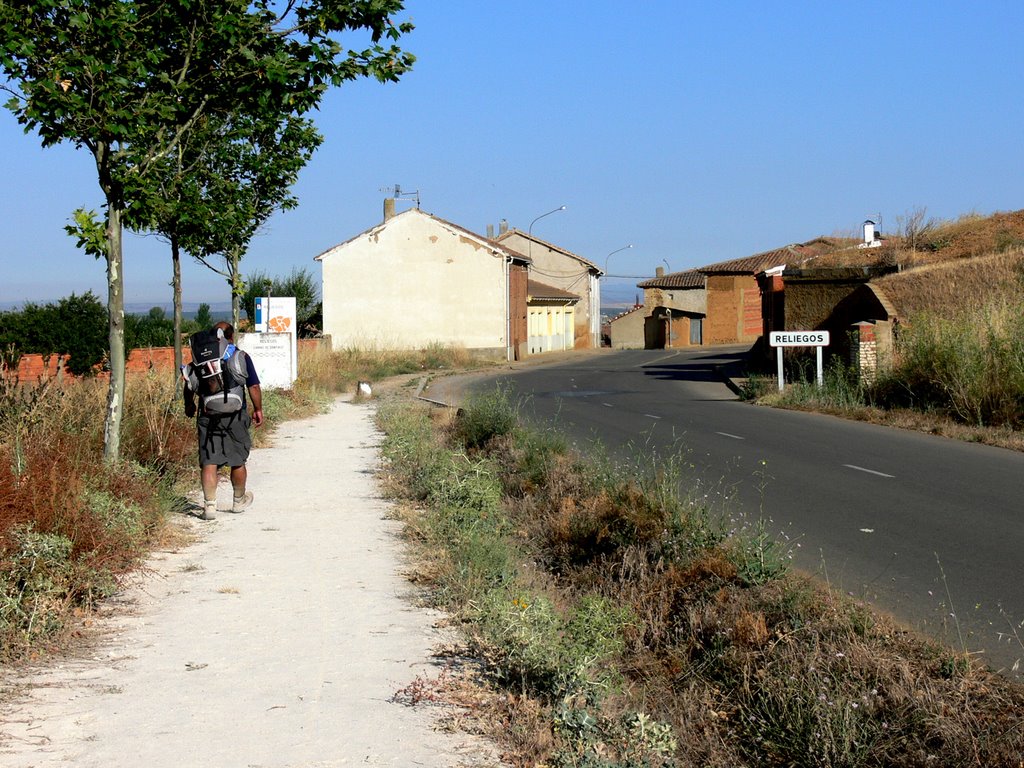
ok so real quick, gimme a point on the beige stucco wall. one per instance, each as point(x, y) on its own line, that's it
point(686, 299)
point(627, 332)
point(554, 268)
point(411, 282)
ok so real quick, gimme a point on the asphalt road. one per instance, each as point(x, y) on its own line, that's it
point(926, 528)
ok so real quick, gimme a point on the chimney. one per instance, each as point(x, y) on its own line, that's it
point(503, 226)
point(389, 208)
point(659, 271)
point(490, 231)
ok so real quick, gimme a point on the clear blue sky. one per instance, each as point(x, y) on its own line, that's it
point(696, 131)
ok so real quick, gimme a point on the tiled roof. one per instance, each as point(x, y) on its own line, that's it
point(552, 246)
point(506, 251)
point(541, 291)
point(692, 278)
point(792, 255)
point(621, 315)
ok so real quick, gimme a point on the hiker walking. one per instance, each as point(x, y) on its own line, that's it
point(215, 384)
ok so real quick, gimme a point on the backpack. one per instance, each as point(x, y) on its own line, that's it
point(218, 372)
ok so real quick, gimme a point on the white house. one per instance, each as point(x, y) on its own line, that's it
point(416, 279)
point(559, 268)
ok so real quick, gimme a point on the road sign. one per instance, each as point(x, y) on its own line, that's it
point(798, 338)
point(780, 339)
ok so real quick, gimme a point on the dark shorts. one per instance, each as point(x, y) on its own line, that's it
point(224, 440)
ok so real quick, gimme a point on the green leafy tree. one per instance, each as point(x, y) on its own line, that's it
point(226, 177)
point(127, 81)
point(203, 317)
point(82, 321)
point(249, 173)
point(301, 284)
point(76, 327)
point(257, 285)
point(154, 329)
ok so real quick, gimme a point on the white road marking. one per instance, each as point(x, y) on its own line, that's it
point(734, 437)
point(651, 416)
point(867, 530)
point(607, 405)
point(869, 471)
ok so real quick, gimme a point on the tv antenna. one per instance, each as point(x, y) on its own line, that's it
point(398, 194)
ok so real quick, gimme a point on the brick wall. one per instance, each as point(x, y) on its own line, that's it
point(870, 348)
point(864, 351)
point(734, 309)
point(723, 310)
point(34, 367)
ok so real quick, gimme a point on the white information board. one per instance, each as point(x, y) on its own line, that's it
point(276, 314)
point(271, 353)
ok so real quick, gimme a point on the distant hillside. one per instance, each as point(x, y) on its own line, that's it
point(220, 309)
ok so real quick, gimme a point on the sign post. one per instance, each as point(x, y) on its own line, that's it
point(780, 339)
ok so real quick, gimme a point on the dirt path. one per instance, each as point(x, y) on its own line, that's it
point(277, 640)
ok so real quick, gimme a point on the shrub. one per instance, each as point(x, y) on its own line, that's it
point(595, 740)
point(35, 575)
point(468, 487)
point(66, 519)
point(542, 652)
point(485, 417)
point(75, 326)
point(971, 365)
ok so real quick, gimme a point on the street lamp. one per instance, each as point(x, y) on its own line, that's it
point(529, 231)
point(623, 248)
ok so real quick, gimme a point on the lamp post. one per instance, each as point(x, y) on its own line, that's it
point(596, 309)
point(623, 248)
point(529, 230)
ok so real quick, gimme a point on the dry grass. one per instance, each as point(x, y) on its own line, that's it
point(338, 371)
point(70, 526)
point(932, 423)
point(941, 287)
point(968, 237)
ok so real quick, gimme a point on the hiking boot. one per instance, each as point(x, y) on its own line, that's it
point(209, 510)
point(241, 502)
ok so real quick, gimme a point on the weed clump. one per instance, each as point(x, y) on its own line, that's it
point(486, 417)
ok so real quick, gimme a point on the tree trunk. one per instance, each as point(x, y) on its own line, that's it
point(115, 314)
point(178, 357)
point(236, 287)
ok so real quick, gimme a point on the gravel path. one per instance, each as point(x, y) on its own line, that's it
point(276, 640)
